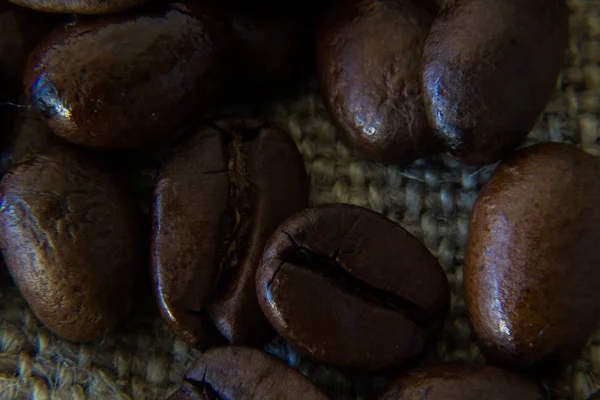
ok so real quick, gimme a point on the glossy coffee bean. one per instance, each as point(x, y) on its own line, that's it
point(243, 374)
point(489, 68)
point(532, 256)
point(20, 30)
point(70, 237)
point(126, 82)
point(349, 287)
point(454, 381)
point(368, 62)
point(220, 195)
point(79, 6)
point(25, 133)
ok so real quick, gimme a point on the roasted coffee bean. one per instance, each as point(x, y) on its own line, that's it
point(240, 373)
point(70, 237)
point(125, 82)
point(79, 6)
point(489, 68)
point(454, 381)
point(20, 30)
point(25, 133)
point(220, 195)
point(532, 256)
point(369, 57)
point(350, 287)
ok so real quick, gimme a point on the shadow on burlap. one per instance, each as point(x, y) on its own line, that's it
point(431, 198)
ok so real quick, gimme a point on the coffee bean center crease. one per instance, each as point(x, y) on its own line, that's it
point(329, 267)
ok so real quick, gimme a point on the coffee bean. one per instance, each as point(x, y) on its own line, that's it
point(454, 381)
point(126, 82)
point(220, 195)
point(25, 133)
point(243, 374)
point(70, 238)
point(349, 287)
point(489, 68)
point(79, 6)
point(369, 57)
point(532, 256)
point(20, 30)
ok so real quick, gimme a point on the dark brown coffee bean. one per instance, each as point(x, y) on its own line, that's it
point(351, 287)
point(70, 237)
point(243, 374)
point(454, 381)
point(369, 57)
point(20, 30)
point(79, 6)
point(26, 133)
point(532, 256)
point(489, 68)
point(125, 82)
point(220, 195)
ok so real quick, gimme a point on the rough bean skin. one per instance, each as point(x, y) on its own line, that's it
point(70, 238)
point(368, 62)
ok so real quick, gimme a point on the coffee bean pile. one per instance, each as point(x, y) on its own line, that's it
point(235, 254)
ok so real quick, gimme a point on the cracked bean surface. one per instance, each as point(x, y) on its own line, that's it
point(350, 287)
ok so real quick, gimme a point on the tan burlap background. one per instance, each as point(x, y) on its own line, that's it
point(432, 198)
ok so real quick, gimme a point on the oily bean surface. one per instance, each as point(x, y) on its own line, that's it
point(245, 374)
point(125, 82)
point(70, 238)
point(368, 61)
point(532, 256)
point(489, 68)
point(351, 288)
point(456, 381)
point(220, 195)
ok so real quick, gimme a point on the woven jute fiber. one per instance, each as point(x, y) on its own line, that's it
point(432, 198)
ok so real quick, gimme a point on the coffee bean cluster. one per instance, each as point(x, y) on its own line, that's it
point(235, 254)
